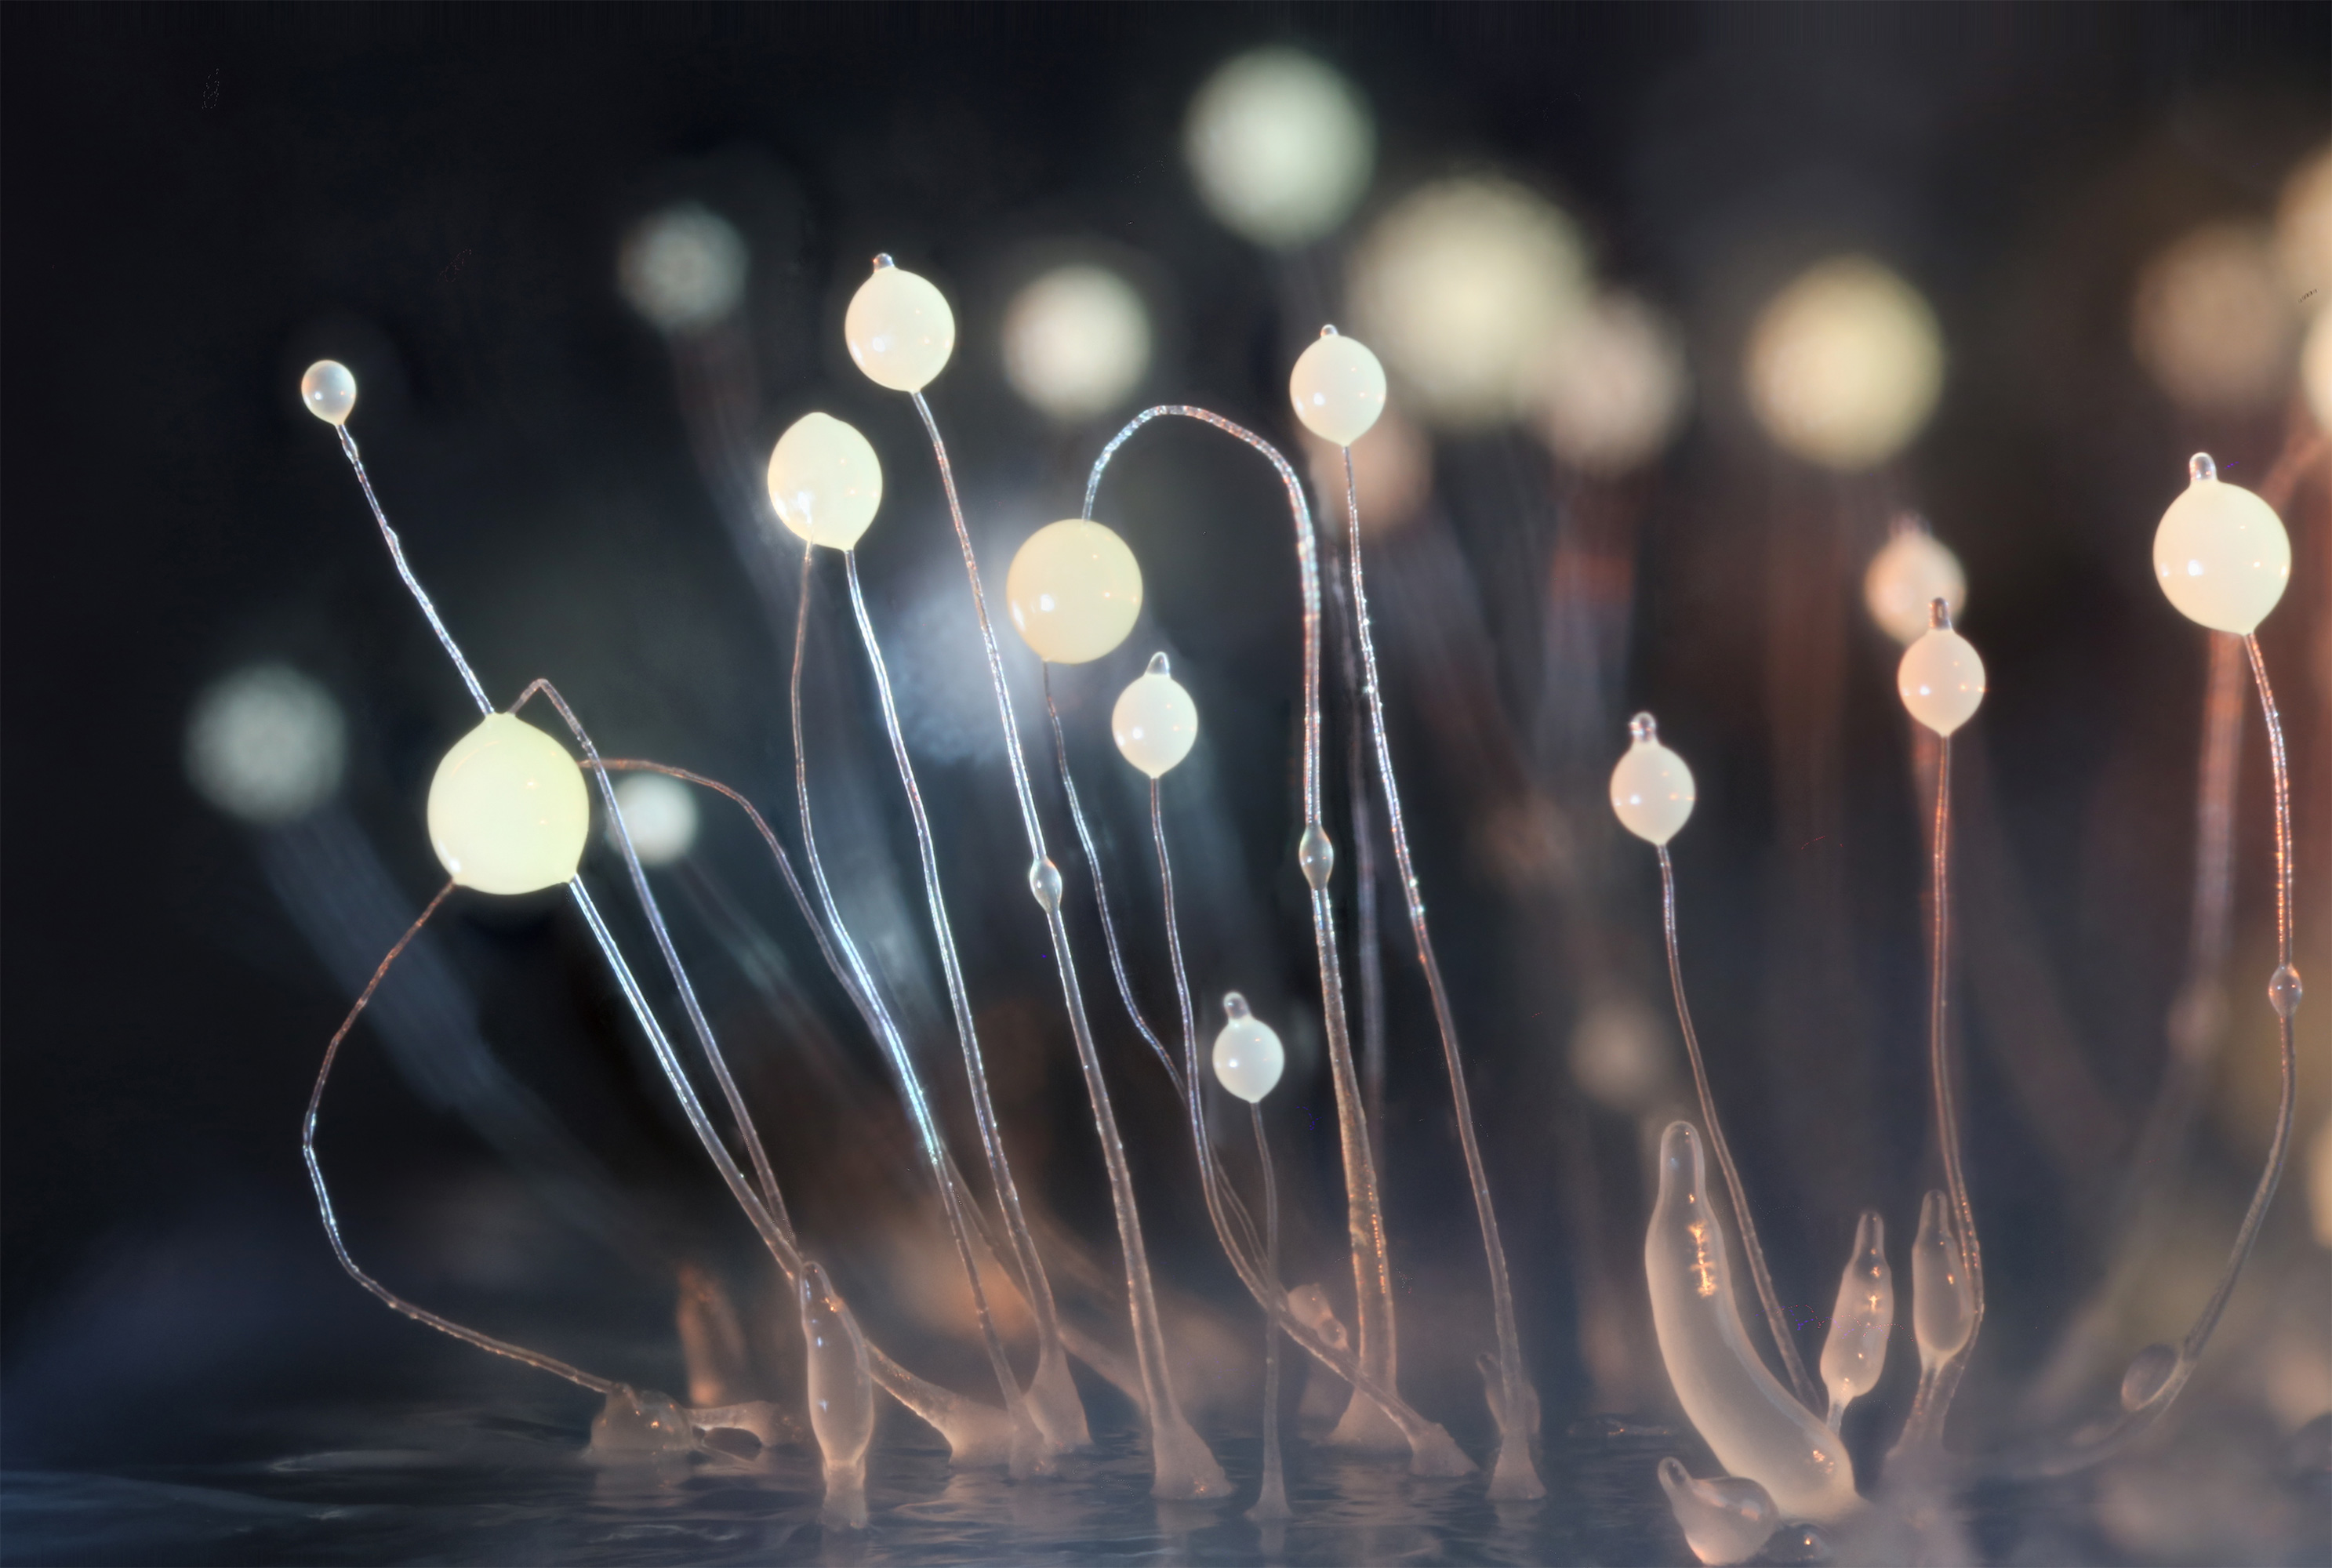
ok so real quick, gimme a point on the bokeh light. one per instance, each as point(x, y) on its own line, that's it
point(1612, 391)
point(266, 744)
point(2303, 231)
point(2212, 318)
point(1906, 577)
point(1281, 146)
point(1844, 365)
point(1461, 287)
point(1619, 1056)
point(659, 813)
point(1076, 342)
point(683, 268)
point(2315, 367)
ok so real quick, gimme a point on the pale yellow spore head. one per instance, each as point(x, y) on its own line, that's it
point(1941, 680)
point(825, 480)
point(1913, 571)
point(508, 810)
point(1651, 788)
point(1075, 590)
point(899, 328)
point(1249, 1058)
point(329, 391)
point(2221, 553)
point(1155, 723)
point(1338, 387)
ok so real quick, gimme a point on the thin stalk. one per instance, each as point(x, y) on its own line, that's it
point(1028, 1455)
point(1516, 1478)
point(536, 1359)
point(1431, 1452)
point(1271, 1500)
point(1809, 1393)
point(765, 1210)
point(1369, 949)
point(1941, 1074)
point(1364, 1209)
point(1184, 1467)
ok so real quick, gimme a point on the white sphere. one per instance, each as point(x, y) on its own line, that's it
point(1651, 788)
point(266, 744)
point(1076, 342)
point(1941, 680)
point(1338, 387)
point(1913, 571)
point(507, 812)
point(1281, 146)
point(1074, 590)
point(659, 813)
point(1462, 286)
point(329, 391)
point(899, 329)
point(825, 480)
point(682, 268)
point(1155, 723)
point(2221, 554)
point(1249, 1058)
point(1844, 365)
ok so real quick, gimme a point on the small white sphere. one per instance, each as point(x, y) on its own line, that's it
point(825, 480)
point(507, 812)
point(1845, 365)
point(1941, 680)
point(2221, 554)
point(1651, 788)
point(1248, 1057)
point(899, 329)
point(1913, 571)
point(1155, 723)
point(329, 391)
point(1338, 387)
point(659, 812)
point(266, 744)
point(1076, 342)
point(1281, 146)
point(683, 268)
point(1073, 590)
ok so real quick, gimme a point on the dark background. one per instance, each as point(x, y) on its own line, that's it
point(197, 202)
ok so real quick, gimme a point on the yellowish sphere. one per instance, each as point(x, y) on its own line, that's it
point(1651, 788)
point(1941, 680)
point(1913, 570)
point(1338, 389)
point(1155, 723)
point(825, 480)
point(1249, 1058)
point(2221, 554)
point(329, 391)
point(1075, 590)
point(899, 329)
point(507, 812)
point(1844, 365)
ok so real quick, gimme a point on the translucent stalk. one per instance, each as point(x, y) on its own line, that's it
point(1369, 944)
point(535, 1358)
point(1809, 1393)
point(841, 1397)
point(1432, 1452)
point(1516, 1478)
point(972, 1432)
point(1366, 1423)
point(1854, 1353)
point(1183, 1465)
point(2158, 1372)
point(1027, 1450)
point(1271, 1500)
point(1053, 1401)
